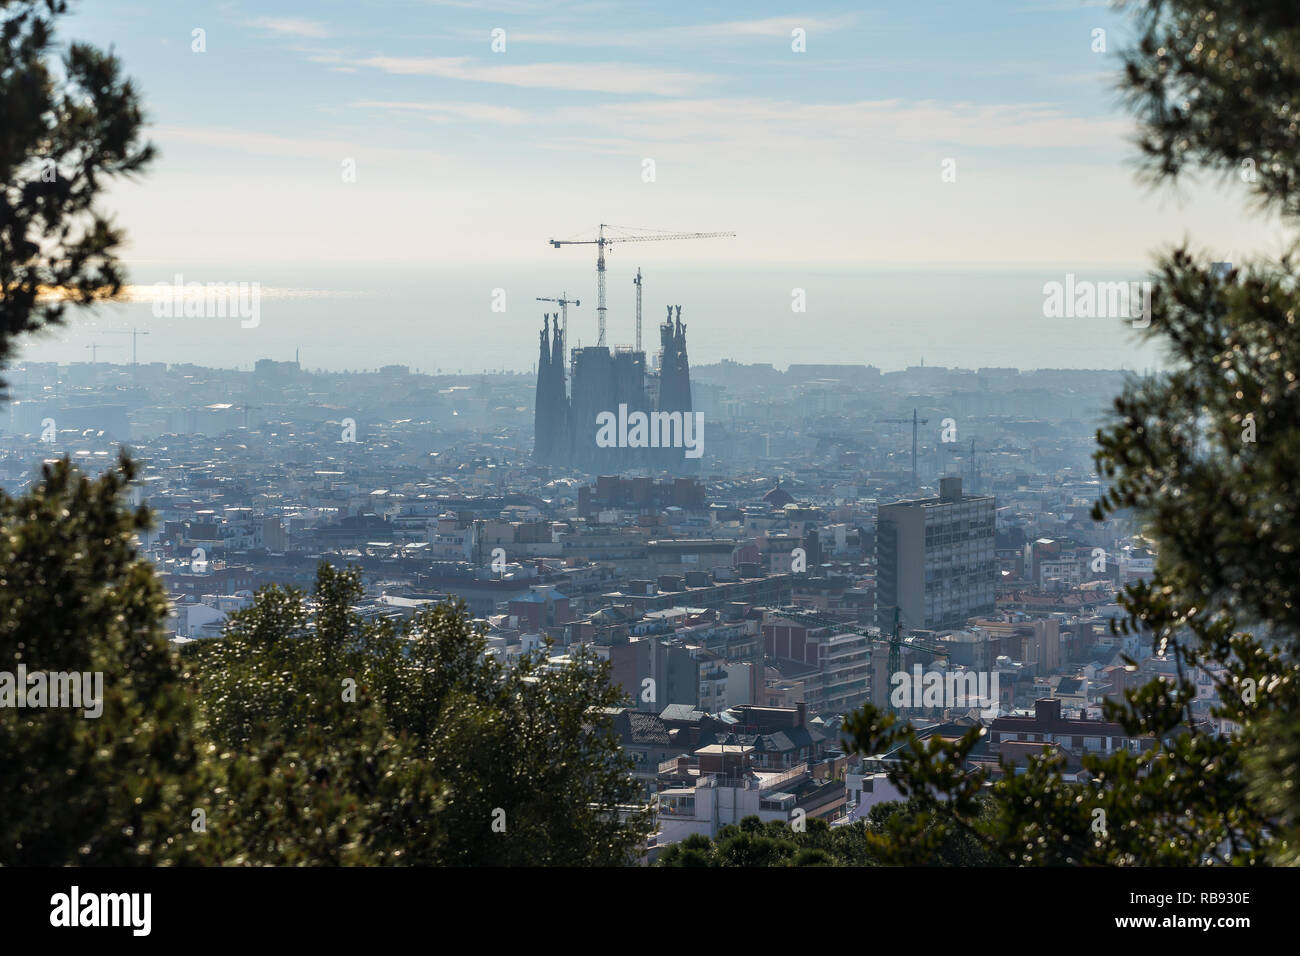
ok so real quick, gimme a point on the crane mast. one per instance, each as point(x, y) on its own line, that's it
point(94, 351)
point(600, 294)
point(915, 423)
point(564, 302)
point(135, 334)
point(602, 240)
point(637, 283)
point(895, 663)
point(894, 641)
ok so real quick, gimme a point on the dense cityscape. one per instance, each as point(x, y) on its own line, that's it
point(745, 611)
point(910, 489)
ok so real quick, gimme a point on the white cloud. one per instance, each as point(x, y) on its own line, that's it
point(677, 36)
point(1061, 6)
point(505, 6)
point(739, 124)
point(762, 124)
point(296, 147)
point(593, 77)
point(770, 27)
point(482, 112)
point(292, 26)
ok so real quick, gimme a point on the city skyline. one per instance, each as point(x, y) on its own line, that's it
point(351, 517)
point(890, 319)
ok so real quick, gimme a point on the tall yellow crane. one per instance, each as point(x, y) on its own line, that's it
point(643, 235)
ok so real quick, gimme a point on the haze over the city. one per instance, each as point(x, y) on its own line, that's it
point(381, 175)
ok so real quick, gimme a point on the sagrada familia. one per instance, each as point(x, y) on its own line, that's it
point(600, 381)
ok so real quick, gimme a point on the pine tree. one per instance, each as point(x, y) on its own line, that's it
point(1205, 457)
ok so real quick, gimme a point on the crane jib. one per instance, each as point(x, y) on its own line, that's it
point(601, 241)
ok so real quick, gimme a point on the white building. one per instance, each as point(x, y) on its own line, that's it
point(863, 790)
point(724, 791)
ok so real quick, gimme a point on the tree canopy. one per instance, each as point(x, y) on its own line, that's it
point(434, 752)
point(309, 734)
point(66, 133)
point(304, 735)
point(1205, 457)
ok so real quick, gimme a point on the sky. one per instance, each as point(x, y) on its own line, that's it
point(828, 164)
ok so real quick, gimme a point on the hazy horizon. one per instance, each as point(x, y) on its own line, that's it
point(888, 317)
point(379, 177)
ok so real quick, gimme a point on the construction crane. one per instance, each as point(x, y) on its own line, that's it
point(637, 282)
point(133, 333)
point(894, 662)
point(974, 466)
point(94, 351)
point(602, 240)
point(916, 422)
point(564, 302)
point(895, 638)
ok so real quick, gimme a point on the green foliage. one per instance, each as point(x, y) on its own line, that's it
point(59, 141)
point(263, 730)
point(75, 596)
point(305, 735)
point(377, 742)
point(1215, 85)
point(754, 843)
point(1205, 458)
point(1183, 803)
point(862, 843)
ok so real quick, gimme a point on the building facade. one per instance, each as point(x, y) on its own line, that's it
point(935, 558)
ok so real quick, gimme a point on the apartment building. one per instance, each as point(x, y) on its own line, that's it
point(719, 786)
point(1019, 736)
point(935, 558)
point(839, 658)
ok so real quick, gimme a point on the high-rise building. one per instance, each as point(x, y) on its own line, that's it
point(934, 558)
